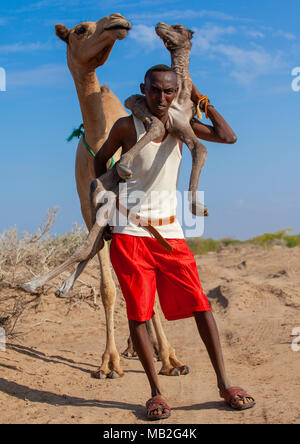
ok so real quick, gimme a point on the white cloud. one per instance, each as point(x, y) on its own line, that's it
point(205, 37)
point(145, 36)
point(66, 21)
point(24, 47)
point(187, 14)
point(255, 34)
point(245, 64)
point(249, 64)
point(51, 74)
point(140, 3)
point(278, 33)
point(286, 35)
point(47, 4)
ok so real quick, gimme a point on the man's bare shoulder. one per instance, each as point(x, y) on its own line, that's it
point(124, 125)
point(124, 130)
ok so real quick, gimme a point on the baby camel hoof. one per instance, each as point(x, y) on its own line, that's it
point(27, 287)
point(199, 210)
point(184, 370)
point(62, 294)
point(171, 372)
point(124, 172)
point(129, 355)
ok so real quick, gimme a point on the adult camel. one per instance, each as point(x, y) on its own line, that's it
point(88, 46)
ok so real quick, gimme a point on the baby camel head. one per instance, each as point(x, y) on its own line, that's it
point(174, 36)
point(90, 43)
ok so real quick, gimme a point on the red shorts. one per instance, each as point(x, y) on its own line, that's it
point(143, 265)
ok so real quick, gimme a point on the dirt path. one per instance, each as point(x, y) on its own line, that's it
point(45, 374)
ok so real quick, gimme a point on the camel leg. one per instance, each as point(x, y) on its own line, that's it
point(171, 366)
point(154, 129)
point(130, 352)
point(110, 366)
point(199, 155)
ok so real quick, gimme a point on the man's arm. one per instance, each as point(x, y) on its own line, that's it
point(220, 132)
point(109, 148)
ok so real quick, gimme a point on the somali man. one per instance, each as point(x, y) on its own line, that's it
point(142, 264)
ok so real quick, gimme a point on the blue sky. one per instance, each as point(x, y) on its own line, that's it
point(242, 58)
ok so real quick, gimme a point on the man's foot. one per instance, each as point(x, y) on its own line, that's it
point(237, 398)
point(157, 408)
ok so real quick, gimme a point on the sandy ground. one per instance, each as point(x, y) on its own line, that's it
point(45, 373)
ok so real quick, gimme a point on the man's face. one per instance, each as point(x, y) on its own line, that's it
point(160, 90)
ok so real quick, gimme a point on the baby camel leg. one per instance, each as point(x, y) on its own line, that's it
point(154, 130)
point(67, 285)
point(110, 179)
point(199, 155)
point(84, 252)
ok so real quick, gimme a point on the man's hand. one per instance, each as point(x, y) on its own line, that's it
point(196, 95)
point(107, 233)
point(220, 132)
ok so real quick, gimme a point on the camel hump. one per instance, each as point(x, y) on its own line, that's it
point(104, 89)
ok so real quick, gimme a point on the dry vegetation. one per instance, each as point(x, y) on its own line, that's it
point(27, 256)
point(267, 240)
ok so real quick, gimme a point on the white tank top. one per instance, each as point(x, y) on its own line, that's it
point(155, 172)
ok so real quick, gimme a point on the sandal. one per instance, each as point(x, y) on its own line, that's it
point(159, 403)
point(234, 395)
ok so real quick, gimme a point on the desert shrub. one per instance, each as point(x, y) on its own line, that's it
point(280, 237)
point(36, 252)
point(25, 256)
point(64, 245)
point(292, 241)
point(226, 241)
point(202, 246)
point(267, 240)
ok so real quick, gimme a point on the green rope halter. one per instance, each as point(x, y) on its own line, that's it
point(79, 132)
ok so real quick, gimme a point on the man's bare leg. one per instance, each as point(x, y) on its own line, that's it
point(208, 331)
point(144, 349)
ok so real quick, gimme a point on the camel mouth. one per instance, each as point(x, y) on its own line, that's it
point(161, 27)
point(162, 30)
point(125, 27)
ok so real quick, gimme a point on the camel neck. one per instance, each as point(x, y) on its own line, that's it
point(180, 61)
point(90, 99)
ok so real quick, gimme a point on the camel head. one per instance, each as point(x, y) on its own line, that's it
point(175, 36)
point(90, 43)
